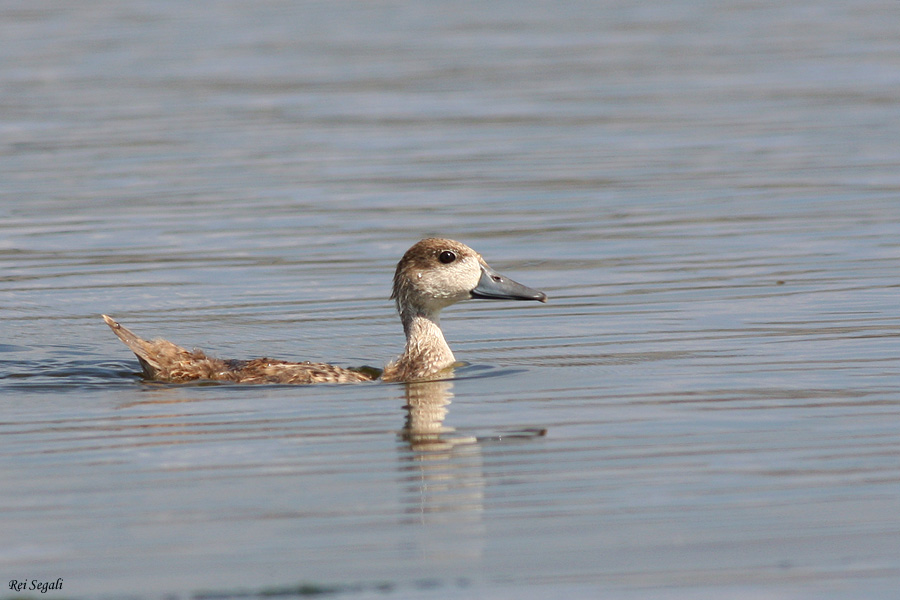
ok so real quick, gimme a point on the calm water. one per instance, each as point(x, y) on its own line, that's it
point(709, 193)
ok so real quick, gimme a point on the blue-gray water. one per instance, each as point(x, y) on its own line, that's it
point(708, 192)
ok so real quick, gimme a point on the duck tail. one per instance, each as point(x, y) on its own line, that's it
point(146, 352)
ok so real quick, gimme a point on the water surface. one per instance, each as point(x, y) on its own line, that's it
point(708, 194)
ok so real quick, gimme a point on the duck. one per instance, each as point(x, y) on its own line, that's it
point(433, 274)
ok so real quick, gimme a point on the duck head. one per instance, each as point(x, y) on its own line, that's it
point(436, 273)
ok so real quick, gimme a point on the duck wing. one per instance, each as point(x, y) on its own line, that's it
point(161, 360)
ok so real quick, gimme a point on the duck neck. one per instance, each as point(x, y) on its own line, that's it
point(426, 351)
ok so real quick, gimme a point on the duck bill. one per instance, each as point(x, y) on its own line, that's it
point(493, 286)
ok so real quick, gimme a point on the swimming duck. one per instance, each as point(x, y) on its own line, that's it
point(431, 276)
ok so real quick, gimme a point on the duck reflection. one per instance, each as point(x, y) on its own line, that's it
point(443, 478)
point(443, 469)
point(426, 409)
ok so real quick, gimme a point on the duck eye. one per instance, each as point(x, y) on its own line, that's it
point(447, 257)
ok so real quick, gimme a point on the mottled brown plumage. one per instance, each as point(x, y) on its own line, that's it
point(432, 275)
point(162, 360)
